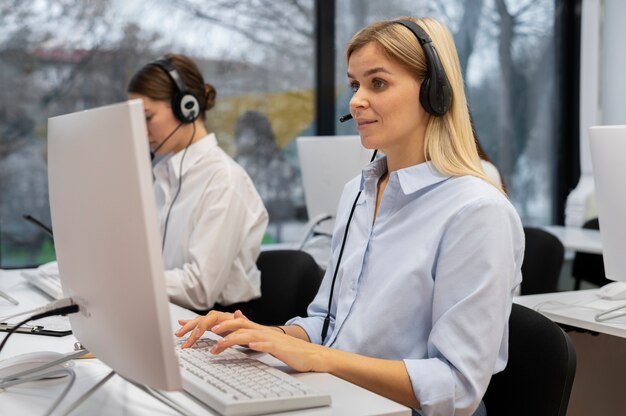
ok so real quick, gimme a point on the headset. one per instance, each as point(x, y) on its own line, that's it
point(435, 91)
point(435, 97)
point(185, 105)
point(186, 109)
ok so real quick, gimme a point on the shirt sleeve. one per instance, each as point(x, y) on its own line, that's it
point(476, 270)
point(223, 224)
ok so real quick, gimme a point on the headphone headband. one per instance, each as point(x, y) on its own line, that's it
point(185, 104)
point(435, 92)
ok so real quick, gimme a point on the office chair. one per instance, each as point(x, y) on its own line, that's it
point(289, 282)
point(542, 263)
point(589, 267)
point(539, 375)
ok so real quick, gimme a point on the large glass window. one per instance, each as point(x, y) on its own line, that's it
point(59, 56)
point(508, 55)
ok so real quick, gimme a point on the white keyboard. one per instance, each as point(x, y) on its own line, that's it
point(233, 383)
point(45, 278)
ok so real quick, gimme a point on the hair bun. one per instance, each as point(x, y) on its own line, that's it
point(209, 96)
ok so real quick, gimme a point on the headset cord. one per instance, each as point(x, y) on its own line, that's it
point(64, 310)
point(180, 185)
point(343, 245)
point(332, 285)
point(153, 152)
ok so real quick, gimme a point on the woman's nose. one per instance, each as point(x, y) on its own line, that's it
point(358, 100)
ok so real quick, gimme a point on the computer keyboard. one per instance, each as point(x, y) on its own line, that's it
point(233, 383)
point(45, 278)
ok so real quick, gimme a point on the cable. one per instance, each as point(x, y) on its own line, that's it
point(180, 185)
point(15, 378)
point(39, 376)
point(156, 149)
point(38, 373)
point(343, 244)
point(50, 306)
point(64, 310)
point(88, 393)
point(63, 394)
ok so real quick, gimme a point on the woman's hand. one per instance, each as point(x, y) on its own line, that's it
point(199, 325)
point(298, 354)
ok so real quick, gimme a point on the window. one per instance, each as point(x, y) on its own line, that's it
point(507, 50)
point(64, 56)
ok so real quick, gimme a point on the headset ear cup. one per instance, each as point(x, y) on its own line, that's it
point(185, 106)
point(189, 107)
point(425, 96)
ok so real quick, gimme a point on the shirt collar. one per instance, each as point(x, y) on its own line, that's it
point(411, 179)
point(195, 151)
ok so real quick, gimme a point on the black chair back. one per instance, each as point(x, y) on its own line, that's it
point(589, 267)
point(542, 263)
point(540, 371)
point(289, 282)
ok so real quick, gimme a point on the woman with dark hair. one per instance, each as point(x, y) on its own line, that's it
point(212, 218)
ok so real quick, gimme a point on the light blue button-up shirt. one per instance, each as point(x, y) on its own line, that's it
point(430, 281)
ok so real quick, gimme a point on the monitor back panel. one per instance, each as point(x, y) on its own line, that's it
point(327, 164)
point(107, 242)
point(608, 151)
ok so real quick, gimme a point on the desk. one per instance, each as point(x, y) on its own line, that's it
point(577, 239)
point(600, 380)
point(118, 397)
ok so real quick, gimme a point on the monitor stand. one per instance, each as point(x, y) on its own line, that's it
point(154, 393)
point(22, 378)
point(604, 316)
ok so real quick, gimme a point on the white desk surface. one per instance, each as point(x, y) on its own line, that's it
point(577, 239)
point(577, 308)
point(120, 397)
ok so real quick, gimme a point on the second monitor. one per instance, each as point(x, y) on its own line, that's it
point(327, 164)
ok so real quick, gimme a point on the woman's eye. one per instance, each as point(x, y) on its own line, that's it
point(377, 83)
point(354, 87)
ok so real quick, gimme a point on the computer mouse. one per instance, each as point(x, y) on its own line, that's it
point(613, 291)
point(30, 360)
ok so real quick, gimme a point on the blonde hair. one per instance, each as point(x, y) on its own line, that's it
point(449, 142)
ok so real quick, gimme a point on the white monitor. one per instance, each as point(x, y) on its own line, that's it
point(327, 164)
point(608, 148)
point(107, 241)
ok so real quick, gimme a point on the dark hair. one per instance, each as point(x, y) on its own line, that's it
point(153, 82)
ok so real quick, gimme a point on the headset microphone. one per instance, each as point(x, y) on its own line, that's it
point(345, 118)
point(153, 152)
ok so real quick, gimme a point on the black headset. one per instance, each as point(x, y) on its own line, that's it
point(435, 97)
point(185, 104)
point(186, 109)
point(435, 92)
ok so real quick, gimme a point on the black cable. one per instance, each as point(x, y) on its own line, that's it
point(343, 244)
point(58, 311)
point(156, 149)
point(180, 185)
point(38, 223)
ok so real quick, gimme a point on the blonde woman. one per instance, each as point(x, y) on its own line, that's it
point(416, 298)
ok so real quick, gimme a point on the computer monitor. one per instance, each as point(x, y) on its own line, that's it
point(107, 241)
point(327, 164)
point(608, 148)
